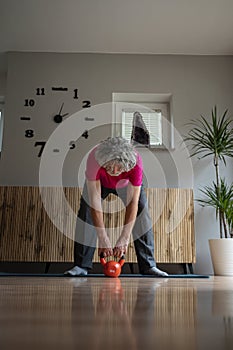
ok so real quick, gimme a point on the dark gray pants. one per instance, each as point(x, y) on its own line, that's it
point(86, 237)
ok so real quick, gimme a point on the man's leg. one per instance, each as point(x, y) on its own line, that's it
point(143, 236)
point(85, 236)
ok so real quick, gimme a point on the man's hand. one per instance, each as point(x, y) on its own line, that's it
point(105, 246)
point(120, 247)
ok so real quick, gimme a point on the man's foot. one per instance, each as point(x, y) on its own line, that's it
point(76, 271)
point(156, 272)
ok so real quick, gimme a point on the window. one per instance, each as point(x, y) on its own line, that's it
point(145, 123)
point(151, 119)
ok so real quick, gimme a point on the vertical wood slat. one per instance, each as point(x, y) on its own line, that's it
point(173, 213)
point(28, 234)
point(26, 231)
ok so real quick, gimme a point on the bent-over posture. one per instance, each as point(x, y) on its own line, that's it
point(114, 166)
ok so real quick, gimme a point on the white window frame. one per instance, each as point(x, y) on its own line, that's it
point(131, 102)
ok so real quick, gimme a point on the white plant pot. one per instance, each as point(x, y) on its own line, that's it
point(221, 251)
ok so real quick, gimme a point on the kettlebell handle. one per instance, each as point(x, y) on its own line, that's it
point(102, 257)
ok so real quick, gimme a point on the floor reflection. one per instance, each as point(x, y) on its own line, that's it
point(116, 313)
point(135, 315)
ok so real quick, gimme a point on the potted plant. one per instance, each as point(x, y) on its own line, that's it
point(215, 139)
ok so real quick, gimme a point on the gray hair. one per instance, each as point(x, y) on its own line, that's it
point(116, 149)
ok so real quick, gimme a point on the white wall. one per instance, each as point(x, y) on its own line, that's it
point(3, 72)
point(196, 83)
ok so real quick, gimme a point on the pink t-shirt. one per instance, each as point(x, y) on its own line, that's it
point(95, 172)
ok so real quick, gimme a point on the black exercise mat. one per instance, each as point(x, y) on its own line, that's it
point(6, 274)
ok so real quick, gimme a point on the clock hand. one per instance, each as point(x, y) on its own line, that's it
point(61, 108)
point(59, 117)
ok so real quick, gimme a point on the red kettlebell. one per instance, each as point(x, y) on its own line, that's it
point(112, 268)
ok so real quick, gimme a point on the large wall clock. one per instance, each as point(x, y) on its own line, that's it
point(58, 116)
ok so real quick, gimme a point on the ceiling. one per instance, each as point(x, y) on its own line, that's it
point(199, 27)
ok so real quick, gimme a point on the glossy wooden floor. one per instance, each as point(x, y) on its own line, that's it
point(124, 313)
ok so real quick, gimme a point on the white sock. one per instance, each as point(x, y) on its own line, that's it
point(76, 271)
point(156, 272)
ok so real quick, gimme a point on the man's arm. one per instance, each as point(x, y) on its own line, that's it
point(94, 192)
point(133, 193)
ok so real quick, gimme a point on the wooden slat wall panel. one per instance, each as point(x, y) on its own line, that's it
point(28, 234)
point(26, 231)
point(172, 211)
